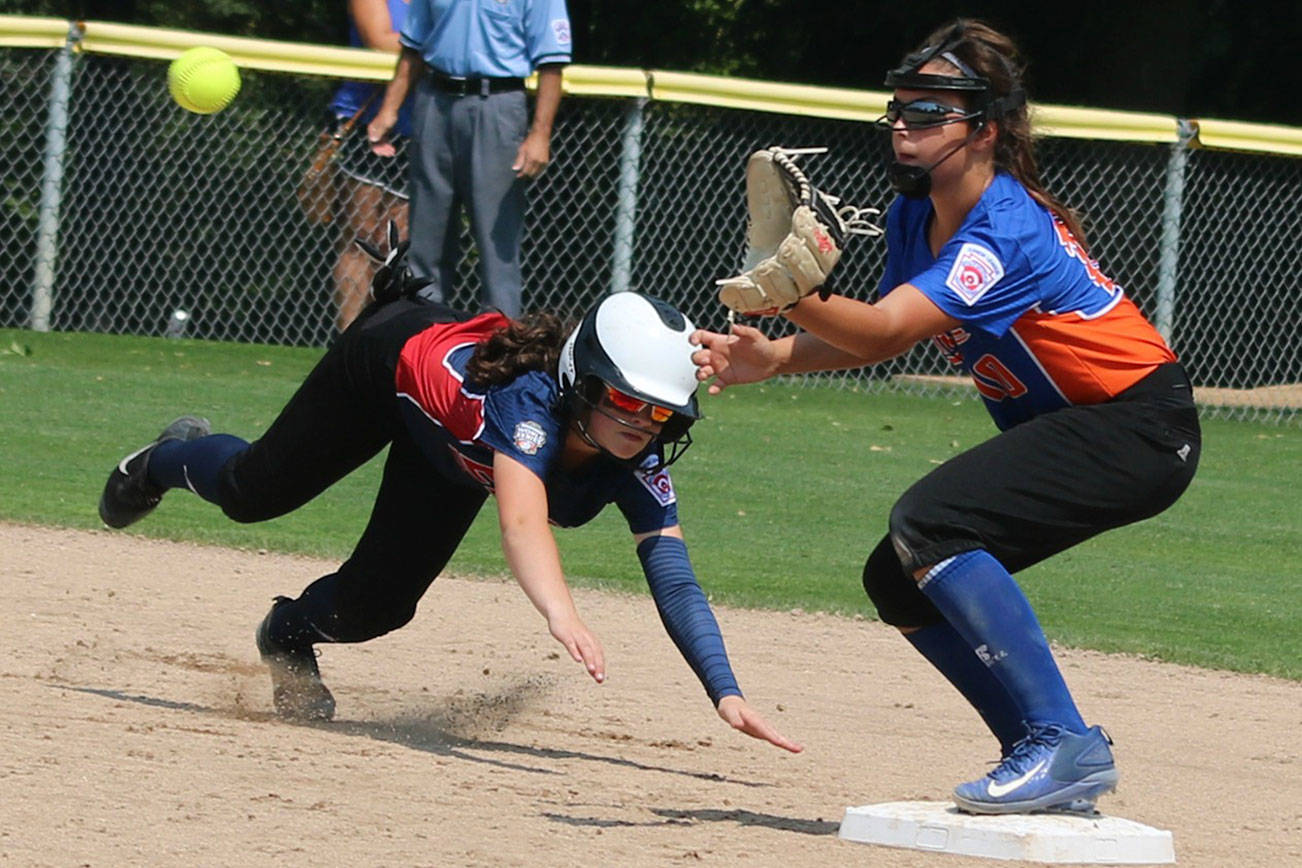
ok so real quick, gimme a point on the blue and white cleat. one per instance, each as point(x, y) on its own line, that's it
point(1051, 769)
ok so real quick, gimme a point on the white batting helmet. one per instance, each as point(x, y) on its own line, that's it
point(639, 345)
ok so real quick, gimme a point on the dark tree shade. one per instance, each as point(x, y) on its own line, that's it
point(1208, 58)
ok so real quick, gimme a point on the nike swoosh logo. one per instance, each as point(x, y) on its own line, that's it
point(122, 465)
point(997, 789)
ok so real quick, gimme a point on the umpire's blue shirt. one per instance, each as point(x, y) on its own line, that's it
point(488, 38)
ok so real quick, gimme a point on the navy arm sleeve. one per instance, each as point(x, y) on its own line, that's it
point(686, 613)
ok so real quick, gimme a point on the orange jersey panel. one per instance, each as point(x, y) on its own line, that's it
point(1093, 360)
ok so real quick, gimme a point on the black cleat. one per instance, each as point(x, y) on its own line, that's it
point(129, 495)
point(296, 687)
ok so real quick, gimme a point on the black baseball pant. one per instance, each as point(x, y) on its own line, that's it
point(341, 416)
point(1039, 488)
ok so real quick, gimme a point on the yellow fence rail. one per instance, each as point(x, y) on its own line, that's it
point(1074, 122)
point(644, 191)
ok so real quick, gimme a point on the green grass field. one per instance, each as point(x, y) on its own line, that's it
point(782, 497)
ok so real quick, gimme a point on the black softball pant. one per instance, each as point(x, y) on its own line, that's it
point(341, 416)
point(1039, 488)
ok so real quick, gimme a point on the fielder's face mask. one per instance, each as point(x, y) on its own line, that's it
point(915, 181)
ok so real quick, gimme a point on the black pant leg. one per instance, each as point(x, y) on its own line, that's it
point(341, 416)
point(894, 592)
point(1050, 483)
point(418, 520)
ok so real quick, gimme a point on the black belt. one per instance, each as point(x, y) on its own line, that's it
point(471, 86)
point(1164, 379)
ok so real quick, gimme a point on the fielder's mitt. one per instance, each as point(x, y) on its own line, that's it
point(795, 235)
point(393, 279)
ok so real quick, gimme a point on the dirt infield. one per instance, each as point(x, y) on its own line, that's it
point(1287, 396)
point(135, 722)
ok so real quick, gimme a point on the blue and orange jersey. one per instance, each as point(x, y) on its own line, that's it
point(1042, 327)
point(459, 427)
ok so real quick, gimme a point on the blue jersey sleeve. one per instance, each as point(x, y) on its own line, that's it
point(647, 498)
point(519, 422)
point(686, 614)
point(547, 32)
point(418, 25)
point(982, 278)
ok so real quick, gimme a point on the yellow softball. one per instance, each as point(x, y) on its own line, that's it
point(203, 80)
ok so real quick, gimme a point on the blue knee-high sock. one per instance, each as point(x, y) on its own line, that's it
point(987, 607)
point(193, 464)
point(950, 653)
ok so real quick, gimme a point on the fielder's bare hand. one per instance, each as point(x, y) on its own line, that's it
point(582, 644)
point(745, 355)
point(738, 714)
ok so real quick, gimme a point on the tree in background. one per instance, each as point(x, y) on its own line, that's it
point(321, 21)
point(1210, 58)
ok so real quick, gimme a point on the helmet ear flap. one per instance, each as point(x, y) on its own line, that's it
point(591, 389)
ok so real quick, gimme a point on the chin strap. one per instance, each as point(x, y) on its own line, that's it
point(914, 182)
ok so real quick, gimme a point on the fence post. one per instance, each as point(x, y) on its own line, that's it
point(56, 143)
point(1168, 266)
point(630, 158)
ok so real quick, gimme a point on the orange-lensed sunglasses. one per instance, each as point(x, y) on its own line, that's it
point(629, 404)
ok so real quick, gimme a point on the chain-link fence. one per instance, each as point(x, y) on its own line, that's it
point(127, 209)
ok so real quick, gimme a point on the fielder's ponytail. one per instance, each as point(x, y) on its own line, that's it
point(995, 57)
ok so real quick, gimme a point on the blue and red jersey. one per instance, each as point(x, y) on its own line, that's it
point(458, 427)
point(1042, 326)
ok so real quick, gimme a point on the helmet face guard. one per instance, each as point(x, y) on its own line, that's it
point(674, 435)
point(915, 181)
point(906, 75)
point(968, 81)
point(638, 345)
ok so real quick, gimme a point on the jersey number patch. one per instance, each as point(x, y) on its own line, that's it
point(994, 381)
point(1075, 251)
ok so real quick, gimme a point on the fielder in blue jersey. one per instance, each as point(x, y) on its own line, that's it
point(1099, 427)
point(555, 428)
point(1042, 328)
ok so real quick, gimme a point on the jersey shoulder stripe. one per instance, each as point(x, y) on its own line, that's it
point(431, 374)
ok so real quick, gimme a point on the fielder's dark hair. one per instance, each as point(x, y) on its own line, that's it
point(531, 343)
point(995, 56)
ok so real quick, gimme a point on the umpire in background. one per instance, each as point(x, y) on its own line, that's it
point(473, 146)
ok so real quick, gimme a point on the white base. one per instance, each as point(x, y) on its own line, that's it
point(940, 827)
